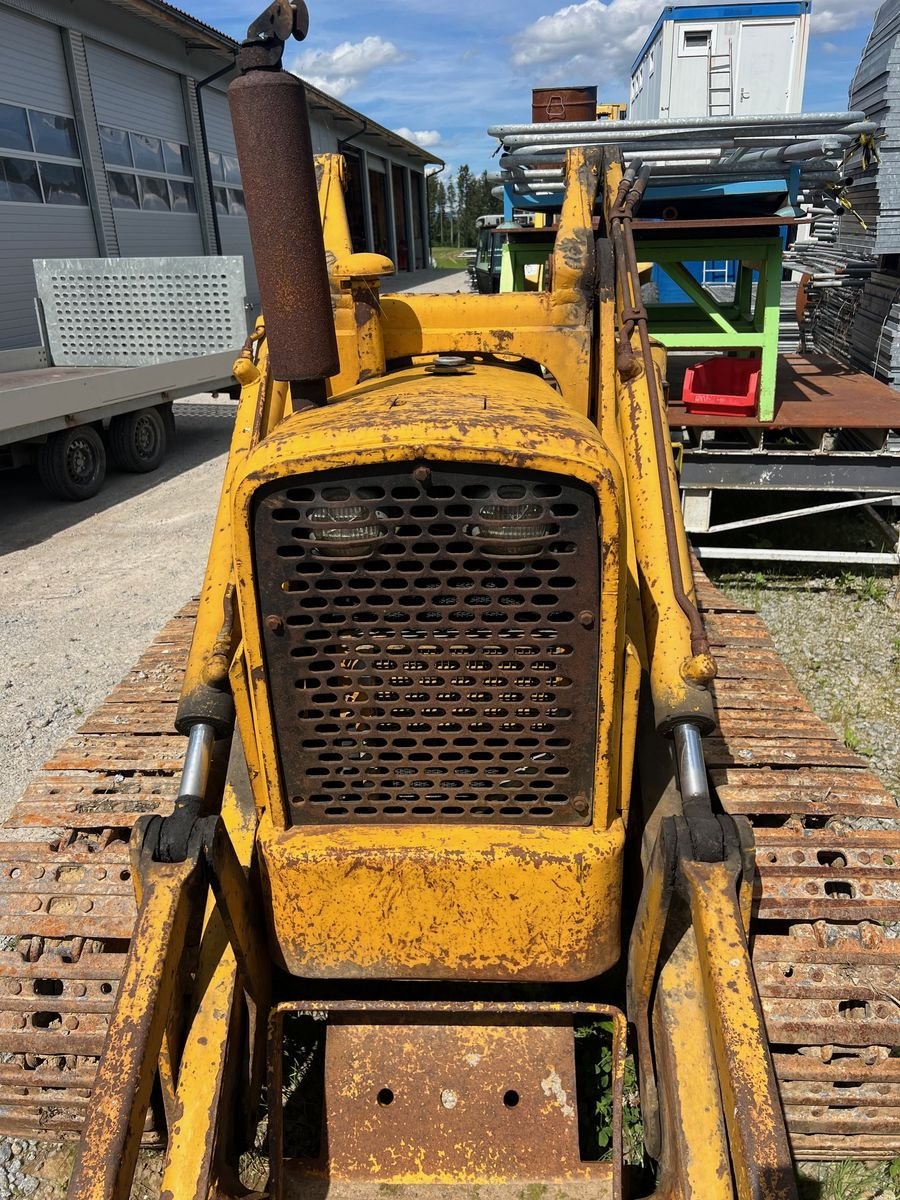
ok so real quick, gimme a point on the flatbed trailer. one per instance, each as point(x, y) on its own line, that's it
point(835, 431)
point(64, 418)
point(118, 349)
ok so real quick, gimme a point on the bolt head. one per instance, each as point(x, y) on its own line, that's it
point(421, 474)
point(587, 619)
point(274, 624)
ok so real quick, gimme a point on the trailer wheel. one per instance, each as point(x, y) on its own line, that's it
point(72, 463)
point(168, 416)
point(137, 440)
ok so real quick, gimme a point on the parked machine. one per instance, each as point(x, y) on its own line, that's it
point(444, 814)
point(489, 242)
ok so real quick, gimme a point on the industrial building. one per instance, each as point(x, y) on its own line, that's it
point(722, 60)
point(116, 140)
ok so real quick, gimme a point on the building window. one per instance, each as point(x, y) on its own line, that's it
point(695, 43)
point(39, 158)
point(227, 191)
point(156, 173)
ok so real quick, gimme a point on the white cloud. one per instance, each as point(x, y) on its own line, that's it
point(842, 14)
point(592, 39)
point(596, 41)
point(426, 138)
point(339, 70)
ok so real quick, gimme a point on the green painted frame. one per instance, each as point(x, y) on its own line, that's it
point(706, 324)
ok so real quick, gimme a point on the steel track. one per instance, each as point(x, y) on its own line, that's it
point(828, 893)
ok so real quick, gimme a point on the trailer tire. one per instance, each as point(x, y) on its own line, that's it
point(137, 440)
point(72, 463)
point(168, 416)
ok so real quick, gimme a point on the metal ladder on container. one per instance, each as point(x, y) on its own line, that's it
point(721, 84)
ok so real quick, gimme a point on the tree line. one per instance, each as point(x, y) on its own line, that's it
point(455, 205)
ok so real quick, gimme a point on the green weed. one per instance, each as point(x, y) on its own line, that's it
point(594, 1050)
point(853, 742)
point(865, 587)
point(850, 1180)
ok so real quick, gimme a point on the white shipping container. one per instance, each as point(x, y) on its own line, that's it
point(717, 60)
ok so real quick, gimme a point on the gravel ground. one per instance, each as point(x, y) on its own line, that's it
point(85, 587)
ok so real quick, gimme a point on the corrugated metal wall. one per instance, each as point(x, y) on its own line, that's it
point(32, 65)
point(33, 74)
point(133, 94)
point(218, 120)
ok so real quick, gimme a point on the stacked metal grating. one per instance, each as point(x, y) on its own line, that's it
point(875, 189)
point(875, 338)
point(853, 300)
point(852, 310)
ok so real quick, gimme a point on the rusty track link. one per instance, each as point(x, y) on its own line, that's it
point(66, 898)
point(828, 851)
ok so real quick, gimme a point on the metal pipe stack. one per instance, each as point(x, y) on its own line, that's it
point(705, 149)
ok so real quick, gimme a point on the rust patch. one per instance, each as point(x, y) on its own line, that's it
point(473, 1068)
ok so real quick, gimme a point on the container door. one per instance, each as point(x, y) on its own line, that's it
point(765, 67)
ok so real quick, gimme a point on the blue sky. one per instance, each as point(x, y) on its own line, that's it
point(445, 71)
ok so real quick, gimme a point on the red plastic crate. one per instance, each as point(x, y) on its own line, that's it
point(727, 386)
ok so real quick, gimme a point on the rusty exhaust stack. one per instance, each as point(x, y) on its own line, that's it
point(271, 129)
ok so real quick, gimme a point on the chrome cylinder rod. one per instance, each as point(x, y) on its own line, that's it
point(195, 773)
point(691, 767)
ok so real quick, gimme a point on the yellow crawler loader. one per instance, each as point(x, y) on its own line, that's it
point(446, 857)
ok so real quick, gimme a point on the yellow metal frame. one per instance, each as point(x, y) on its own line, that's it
point(439, 902)
point(546, 900)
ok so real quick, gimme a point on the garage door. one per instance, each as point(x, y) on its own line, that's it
point(144, 137)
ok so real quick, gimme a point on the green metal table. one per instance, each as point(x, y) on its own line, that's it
point(740, 324)
point(745, 324)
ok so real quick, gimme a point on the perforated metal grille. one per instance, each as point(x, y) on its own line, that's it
point(133, 312)
point(431, 644)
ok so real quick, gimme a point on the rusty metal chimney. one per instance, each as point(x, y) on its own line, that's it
point(271, 129)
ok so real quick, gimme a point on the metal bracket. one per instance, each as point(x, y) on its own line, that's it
point(283, 19)
point(263, 48)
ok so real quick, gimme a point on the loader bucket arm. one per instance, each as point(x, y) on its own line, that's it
point(152, 1027)
point(688, 946)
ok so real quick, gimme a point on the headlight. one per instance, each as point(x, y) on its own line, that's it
point(512, 529)
point(345, 532)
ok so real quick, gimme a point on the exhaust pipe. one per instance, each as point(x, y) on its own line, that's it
point(271, 128)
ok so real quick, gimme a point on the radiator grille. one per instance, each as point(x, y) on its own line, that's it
point(431, 644)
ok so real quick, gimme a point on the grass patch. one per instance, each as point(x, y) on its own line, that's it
point(866, 587)
point(848, 1180)
point(447, 258)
